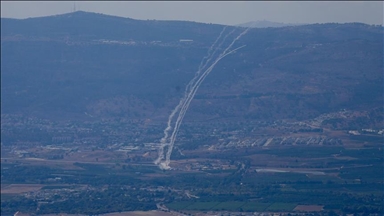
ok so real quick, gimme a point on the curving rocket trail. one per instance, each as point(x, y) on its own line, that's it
point(182, 113)
point(189, 94)
point(211, 48)
point(214, 52)
point(165, 165)
point(163, 142)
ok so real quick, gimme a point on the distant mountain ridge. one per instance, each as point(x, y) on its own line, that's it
point(97, 25)
point(105, 66)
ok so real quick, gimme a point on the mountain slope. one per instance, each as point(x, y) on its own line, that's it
point(67, 65)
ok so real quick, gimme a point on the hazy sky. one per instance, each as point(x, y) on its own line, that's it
point(225, 12)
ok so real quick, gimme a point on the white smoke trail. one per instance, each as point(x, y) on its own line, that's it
point(191, 95)
point(182, 113)
point(214, 52)
point(237, 38)
point(202, 77)
point(187, 89)
point(165, 165)
point(211, 48)
point(163, 142)
point(185, 101)
point(208, 57)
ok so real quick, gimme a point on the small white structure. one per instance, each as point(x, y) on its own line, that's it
point(185, 40)
point(353, 132)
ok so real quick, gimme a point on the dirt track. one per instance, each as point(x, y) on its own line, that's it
point(20, 188)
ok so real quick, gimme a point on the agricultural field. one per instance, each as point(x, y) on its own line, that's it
point(301, 180)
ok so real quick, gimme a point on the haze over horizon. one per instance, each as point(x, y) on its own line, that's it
point(227, 13)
